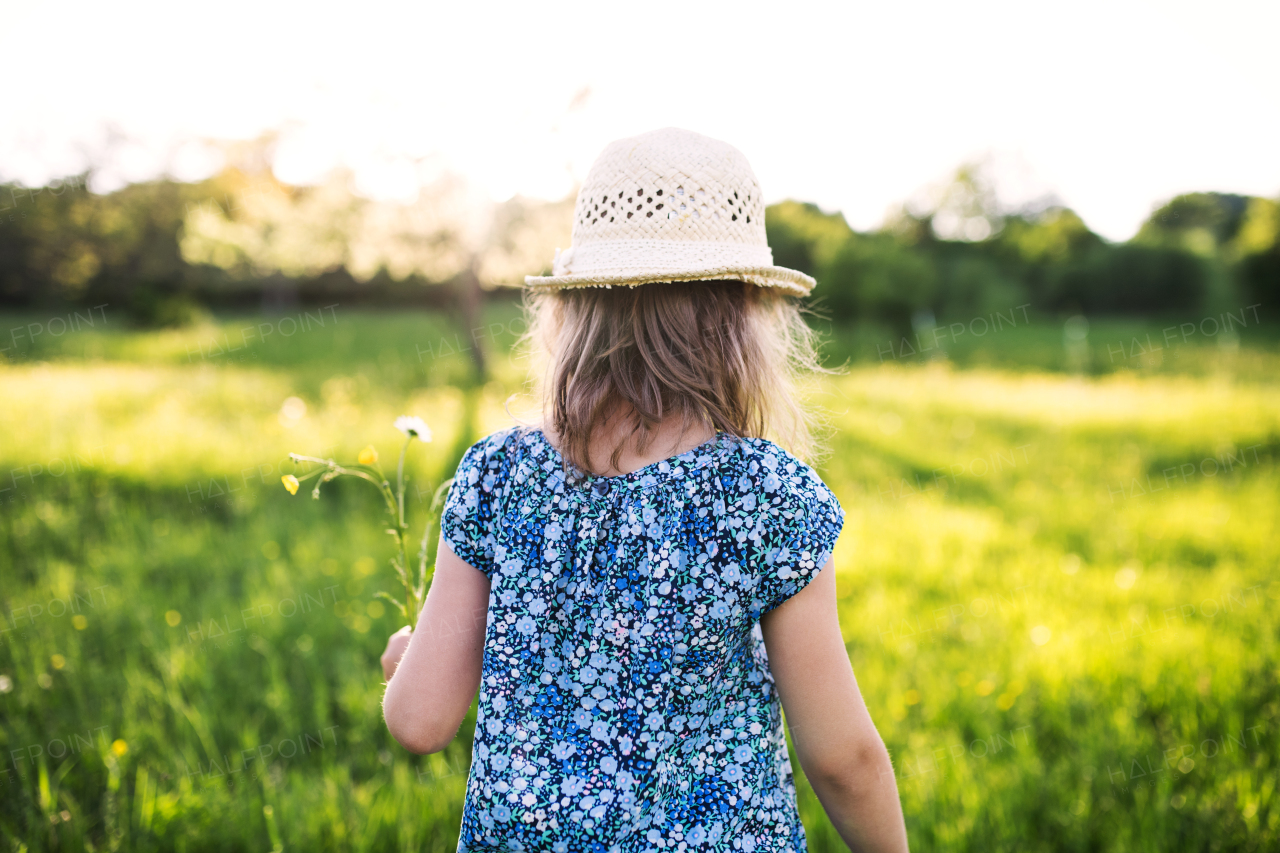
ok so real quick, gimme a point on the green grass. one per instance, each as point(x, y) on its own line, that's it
point(1057, 579)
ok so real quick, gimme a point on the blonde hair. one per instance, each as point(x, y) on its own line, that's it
point(724, 354)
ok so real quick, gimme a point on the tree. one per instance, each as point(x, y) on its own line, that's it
point(1200, 223)
point(875, 277)
point(1132, 279)
point(802, 237)
point(1256, 247)
point(450, 234)
point(1055, 235)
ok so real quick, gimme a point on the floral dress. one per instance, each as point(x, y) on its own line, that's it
point(626, 702)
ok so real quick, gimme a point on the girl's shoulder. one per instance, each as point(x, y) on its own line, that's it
point(778, 469)
point(494, 452)
point(509, 456)
point(496, 443)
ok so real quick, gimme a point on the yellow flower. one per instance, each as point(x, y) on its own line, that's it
point(368, 456)
point(119, 747)
point(290, 483)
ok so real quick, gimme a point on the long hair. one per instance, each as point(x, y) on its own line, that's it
point(724, 354)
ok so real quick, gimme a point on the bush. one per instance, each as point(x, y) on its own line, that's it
point(1131, 279)
point(802, 237)
point(1260, 276)
point(1195, 222)
point(159, 307)
point(971, 285)
point(874, 277)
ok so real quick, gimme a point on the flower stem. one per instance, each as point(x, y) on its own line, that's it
point(414, 588)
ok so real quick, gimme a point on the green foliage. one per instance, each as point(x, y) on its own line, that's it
point(161, 249)
point(1261, 276)
point(1132, 279)
point(1259, 231)
point(973, 284)
point(1054, 236)
point(1257, 244)
point(802, 237)
point(157, 306)
point(72, 245)
point(1048, 259)
point(874, 276)
point(1041, 616)
point(1198, 223)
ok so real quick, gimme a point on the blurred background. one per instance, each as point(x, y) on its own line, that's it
point(1047, 242)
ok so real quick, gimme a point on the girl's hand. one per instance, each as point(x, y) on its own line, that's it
point(395, 650)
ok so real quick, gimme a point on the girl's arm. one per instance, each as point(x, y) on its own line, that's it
point(839, 748)
point(430, 688)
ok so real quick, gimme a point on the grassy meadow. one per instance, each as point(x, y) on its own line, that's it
point(1058, 579)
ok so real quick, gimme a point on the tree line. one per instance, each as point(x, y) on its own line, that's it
point(1199, 252)
point(166, 249)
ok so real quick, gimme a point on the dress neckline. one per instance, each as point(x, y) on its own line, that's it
point(704, 454)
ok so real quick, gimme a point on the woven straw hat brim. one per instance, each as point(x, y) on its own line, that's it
point(790, 281)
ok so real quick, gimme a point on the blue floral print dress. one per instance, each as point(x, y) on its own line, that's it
point(626, 702)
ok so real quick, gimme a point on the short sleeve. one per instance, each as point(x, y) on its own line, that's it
point(806, 524)
point(471, 511)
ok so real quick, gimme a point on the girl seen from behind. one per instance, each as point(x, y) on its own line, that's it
point(642, 584)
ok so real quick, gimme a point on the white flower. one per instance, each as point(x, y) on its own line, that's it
point(414, 427)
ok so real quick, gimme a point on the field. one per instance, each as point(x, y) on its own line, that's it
point(1058, 579)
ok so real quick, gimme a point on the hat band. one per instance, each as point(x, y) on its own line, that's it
point(619, 257)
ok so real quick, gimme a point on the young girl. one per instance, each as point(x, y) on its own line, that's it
point(639, 587)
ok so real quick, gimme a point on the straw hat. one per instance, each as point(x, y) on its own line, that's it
point(669, 205)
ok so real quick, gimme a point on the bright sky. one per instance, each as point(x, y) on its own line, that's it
point(1114, 106)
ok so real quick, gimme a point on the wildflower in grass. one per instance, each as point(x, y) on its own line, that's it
point(415, 583)
point(413, 427)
